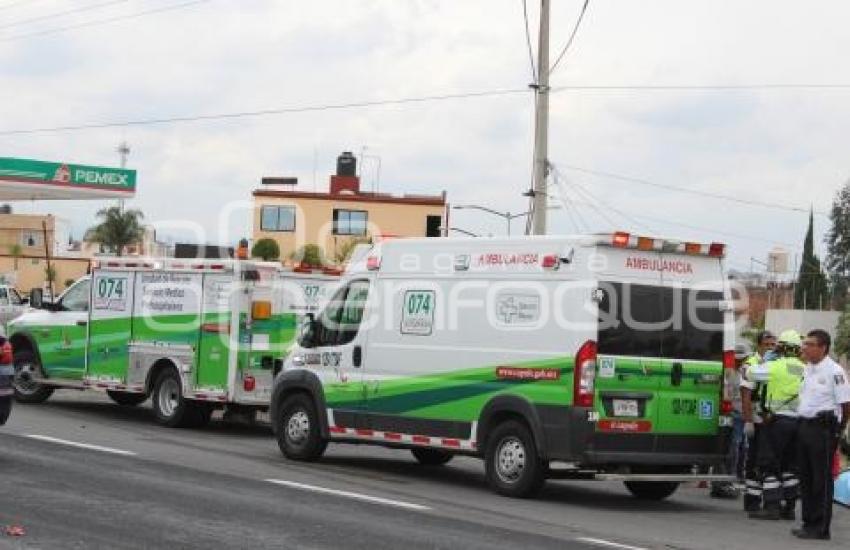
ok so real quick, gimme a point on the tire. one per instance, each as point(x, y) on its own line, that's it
point(127, 399)
point(651, 490)
point(169, 406)
point(28, 365)
point(5, 409)
point(512, 465)
point(431, 457)
point(297, 429)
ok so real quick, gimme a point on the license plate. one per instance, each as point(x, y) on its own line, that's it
point(626, 407)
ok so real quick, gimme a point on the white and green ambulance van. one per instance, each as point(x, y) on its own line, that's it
point(587, 357)
point(196, 335)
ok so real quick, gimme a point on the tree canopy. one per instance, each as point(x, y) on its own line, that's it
point(812, 291)
point(118, 228)
point(267, 249)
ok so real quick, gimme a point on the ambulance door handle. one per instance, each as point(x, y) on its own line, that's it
point(676, 374)
point(357, 356)
point(82, 323)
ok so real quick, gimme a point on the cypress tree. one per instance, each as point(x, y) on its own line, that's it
point(811, 291)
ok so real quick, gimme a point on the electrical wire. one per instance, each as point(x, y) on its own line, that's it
point(83, 9)
point(696, 87)
point(266, 112)
point(571, 38)
point(640, 181)
point(104, 21)
point(528, 42)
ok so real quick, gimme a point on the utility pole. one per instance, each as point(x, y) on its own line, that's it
point(123, 150)
point(541, 126)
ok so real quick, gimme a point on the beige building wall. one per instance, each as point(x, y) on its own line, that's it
point(386, 216)
point(26, 230)
point(31, 272)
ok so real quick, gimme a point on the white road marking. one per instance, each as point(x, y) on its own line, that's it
point(608, 543)
point(349, 494)
point(80, 445)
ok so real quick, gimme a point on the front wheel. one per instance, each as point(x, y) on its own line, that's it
point(297, 429)
point(651, 490)
point(27, 370)
point(126, 398)
point(431, 457)
point(512, 465)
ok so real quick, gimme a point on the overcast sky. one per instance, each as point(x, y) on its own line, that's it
point(780, 146)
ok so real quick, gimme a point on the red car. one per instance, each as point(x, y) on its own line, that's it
point(7, 373)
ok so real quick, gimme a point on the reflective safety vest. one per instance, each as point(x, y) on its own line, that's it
point(785, 376)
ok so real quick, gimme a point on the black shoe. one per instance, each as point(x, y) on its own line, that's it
point(765, 514)
point(809, 535)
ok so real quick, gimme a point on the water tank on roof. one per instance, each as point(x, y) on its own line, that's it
point(777, 261)
point(6, 209)
point(346, 164)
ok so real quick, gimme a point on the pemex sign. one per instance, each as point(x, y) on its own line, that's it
point(36, 179)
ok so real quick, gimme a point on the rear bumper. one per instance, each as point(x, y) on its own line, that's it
point(571, 437)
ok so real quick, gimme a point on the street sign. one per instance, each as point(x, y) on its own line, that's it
point(25, 179)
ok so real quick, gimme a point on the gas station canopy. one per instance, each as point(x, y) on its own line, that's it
point(24, 179)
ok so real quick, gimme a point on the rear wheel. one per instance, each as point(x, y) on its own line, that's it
point(171, 408)
point(297, 429)
point(126, 398)
point(27, 370)
point(512, 465)
point(651, 490)
point(431, 457)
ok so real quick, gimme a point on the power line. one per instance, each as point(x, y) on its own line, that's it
point(62, 13)
point(528, 41)
point(697, 87)
point(571, 38)
point(749, 202)
point(104, 21)
point(267, 112)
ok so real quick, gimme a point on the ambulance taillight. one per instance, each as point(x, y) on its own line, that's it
point(6, 356)
point(727, 392)
point(584, 377)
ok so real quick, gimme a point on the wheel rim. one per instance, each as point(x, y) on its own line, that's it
point(24, 378)
point(168, 396)
point(510, 459)
point(298, 427)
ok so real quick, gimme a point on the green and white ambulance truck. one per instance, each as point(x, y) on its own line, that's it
point(588, 357)
point(196, 335)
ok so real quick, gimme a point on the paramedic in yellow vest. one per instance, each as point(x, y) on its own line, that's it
point(780, 395)
point(766, 344)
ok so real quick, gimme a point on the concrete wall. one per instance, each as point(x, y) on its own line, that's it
point(777, 320)
point(27, 273)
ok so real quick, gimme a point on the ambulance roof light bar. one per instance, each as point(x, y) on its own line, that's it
point(623, 239)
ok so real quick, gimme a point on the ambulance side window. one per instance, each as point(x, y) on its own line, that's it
point(340, 320)
point(77, 297)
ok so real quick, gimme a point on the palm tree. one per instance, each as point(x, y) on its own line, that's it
point(118, 228)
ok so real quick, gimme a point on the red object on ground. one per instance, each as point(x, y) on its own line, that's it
point(15, 531)
point(836, 465)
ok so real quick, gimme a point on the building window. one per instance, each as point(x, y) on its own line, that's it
point(433, 226)
point(30, 238)
point(350, 222)
point(277, 218)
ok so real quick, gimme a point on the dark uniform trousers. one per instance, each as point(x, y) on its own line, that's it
point(816, 450)
point(752, 481)
point(777, 462)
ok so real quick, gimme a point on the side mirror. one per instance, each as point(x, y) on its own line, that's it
point(36, 299)
point(308, 330)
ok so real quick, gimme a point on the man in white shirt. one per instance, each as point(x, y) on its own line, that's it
point(824, 411)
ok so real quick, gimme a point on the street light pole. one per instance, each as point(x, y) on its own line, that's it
point(541, 125)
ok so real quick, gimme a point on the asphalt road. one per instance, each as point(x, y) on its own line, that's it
point(80, 472)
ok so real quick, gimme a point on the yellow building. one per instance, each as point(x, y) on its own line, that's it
point(23, 255)
point(333, 220)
